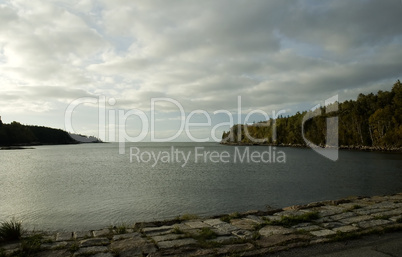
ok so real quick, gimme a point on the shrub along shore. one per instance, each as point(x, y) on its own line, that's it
point(247, 234)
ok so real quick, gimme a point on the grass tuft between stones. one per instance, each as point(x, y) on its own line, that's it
point(228, 218)
point(289, 221)
point(74, 247)
point(177, 230)
point(205, 234)
point(121, 228)
point(29, 247)
point(11, 230)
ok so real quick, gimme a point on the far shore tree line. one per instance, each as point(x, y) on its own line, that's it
point(16, 133)
point(373, 120)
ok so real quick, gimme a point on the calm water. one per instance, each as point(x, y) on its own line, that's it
point(91, 186)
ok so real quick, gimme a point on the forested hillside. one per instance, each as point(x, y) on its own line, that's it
point(18, 134)
point(373, 120)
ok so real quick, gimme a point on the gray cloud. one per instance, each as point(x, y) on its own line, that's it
point(204, 54)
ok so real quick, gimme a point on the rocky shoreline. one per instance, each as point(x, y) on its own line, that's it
point(253, 233)
point(342, 147)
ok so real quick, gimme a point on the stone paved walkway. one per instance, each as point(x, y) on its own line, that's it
point(254, 233)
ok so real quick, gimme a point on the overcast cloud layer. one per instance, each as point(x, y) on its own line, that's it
point(274, 54)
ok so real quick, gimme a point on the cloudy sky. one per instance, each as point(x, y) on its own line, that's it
point(276, 55)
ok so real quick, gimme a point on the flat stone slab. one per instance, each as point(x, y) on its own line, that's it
point(301, 225)
point(290, 213)
point(54, 253)
point(279, 239)
point(213, 222)
point(395, 218)
point(243, 234)
point(394, 212)
point(322, 233)
point(126, 236)
point(64, 236)
point(234, 248)
point(100, 233)
point(176, 243)
point(157, 230)
point(49, 237)
point(331, 225)
point(223, 239)
point(345, 229)
point(343, 216)
point(396, 197)
point(384, 205)
point(103, 255)
point(11, 246)
point(328, 210)
point(319, 240)
point(193, 232)
point(226, 227)
point(124, 243)
point(179, 226)
point(196, 224)
point(372, 223)
point(90, 250)
point(254, 218)
point(272, 217)
point(132, 247)
point(81, 234)
point(356, 219)
point(166, 237)
point(244, 223)
point(365, 211)
point(309, 228)
point(94, 242)
point(220, 232)
point(275, 230)
point(144, 250)
point(52, 246)
point(352, 205)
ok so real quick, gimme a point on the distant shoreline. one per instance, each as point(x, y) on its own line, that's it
point(15, 148)
point(342, 147)
point(29, 146)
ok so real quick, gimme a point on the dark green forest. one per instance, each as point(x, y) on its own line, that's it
point(17, 134)
point(372, 120)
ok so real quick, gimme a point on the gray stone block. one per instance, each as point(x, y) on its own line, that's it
point(90, 250)
point(322, 233)
point(94, 242)
point(126, 236)
point(213, 222)
point(176, 243)
point(275, 230)
point(100, 233)
point(373, 223)
point(64, 236)
point(166, 237)
point(345, 229)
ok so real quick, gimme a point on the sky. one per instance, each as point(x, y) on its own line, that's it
point(93, 67)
